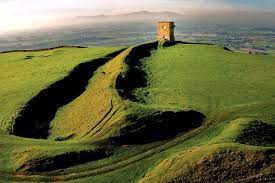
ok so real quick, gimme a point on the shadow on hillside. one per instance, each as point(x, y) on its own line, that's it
point(135, 76)
point(168, 44)
point(258, 133)
point(158, 126)
point(34, 119)
point(62, 161)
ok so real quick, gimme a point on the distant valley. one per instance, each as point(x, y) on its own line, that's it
point(139, 27)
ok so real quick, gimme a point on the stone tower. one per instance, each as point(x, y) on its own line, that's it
point(166, 31)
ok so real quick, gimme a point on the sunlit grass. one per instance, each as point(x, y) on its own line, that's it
point(24, 74)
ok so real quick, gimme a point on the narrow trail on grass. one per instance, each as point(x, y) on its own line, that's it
point(34, 119)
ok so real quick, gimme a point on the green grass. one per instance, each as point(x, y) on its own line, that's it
point(180, 78)
point(21, 78)
point(15, 151)
point(231, 89)
point(98, 105)
point(223, 85)
point(211, 80)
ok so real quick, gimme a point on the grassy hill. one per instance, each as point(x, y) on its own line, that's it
point(24, 74)
point(189, 112)
point(212, 80)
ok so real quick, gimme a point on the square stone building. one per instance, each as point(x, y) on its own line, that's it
point(166, 31)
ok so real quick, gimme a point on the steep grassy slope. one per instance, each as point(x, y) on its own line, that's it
point(98, 111)
point(24, 74)
point(159, 117)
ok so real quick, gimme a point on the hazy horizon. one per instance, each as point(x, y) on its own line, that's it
point(16, 15)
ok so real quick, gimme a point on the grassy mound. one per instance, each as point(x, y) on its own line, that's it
point(219, 166)
point(227, 165)
point(216, 158)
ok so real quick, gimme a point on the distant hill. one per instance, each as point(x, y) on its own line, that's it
point(135, 16)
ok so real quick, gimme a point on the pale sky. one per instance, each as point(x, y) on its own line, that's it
point(31, 14)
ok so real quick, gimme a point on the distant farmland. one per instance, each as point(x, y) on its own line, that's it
point(130, 33)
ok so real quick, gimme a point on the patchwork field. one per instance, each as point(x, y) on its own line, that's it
point(183, 113)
